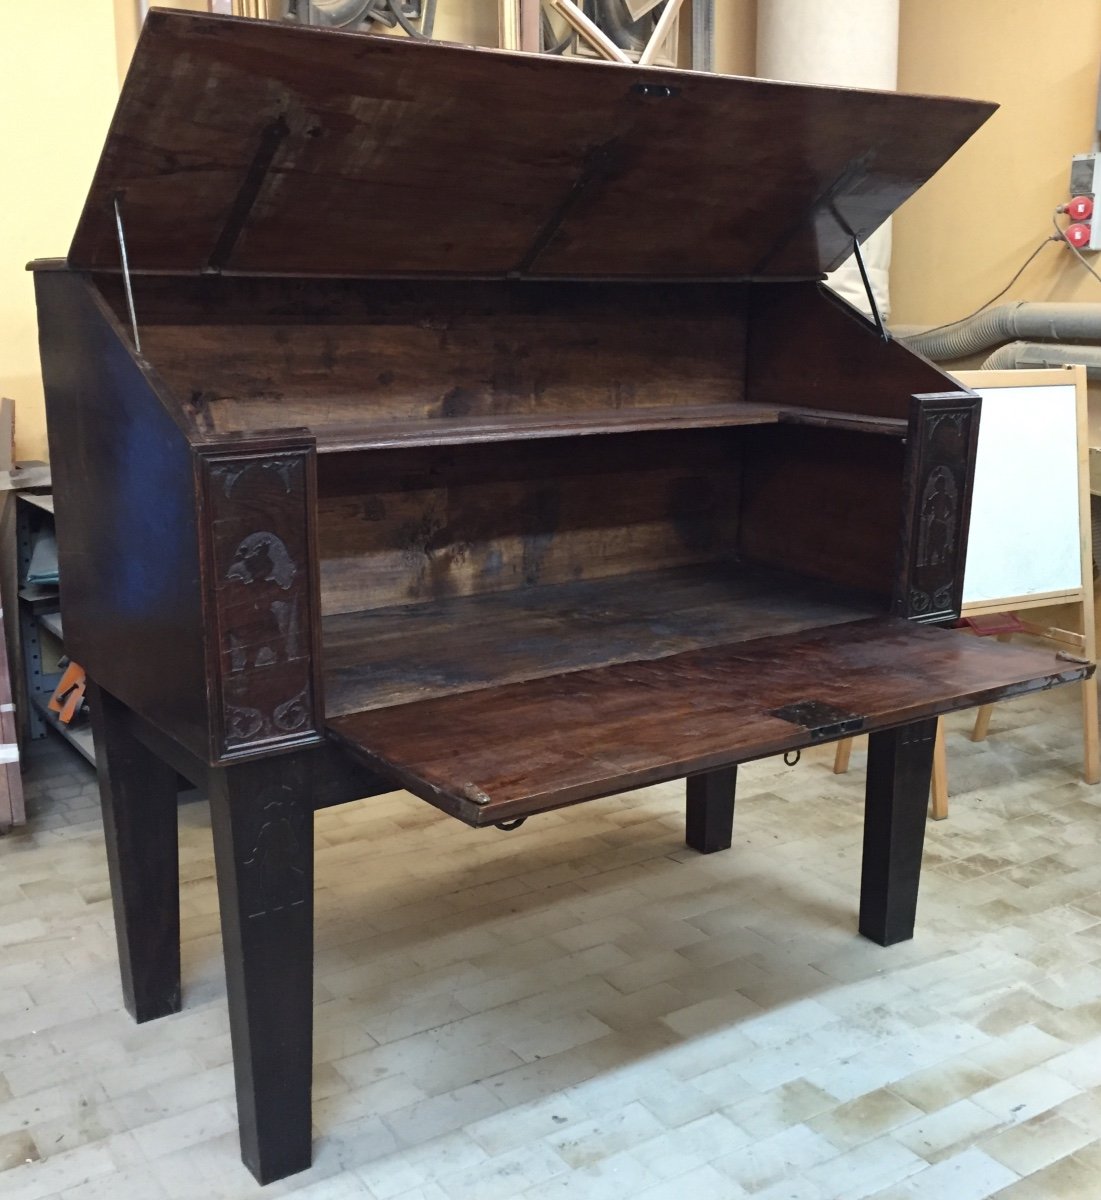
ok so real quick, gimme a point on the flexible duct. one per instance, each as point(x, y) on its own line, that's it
point(1023, 319)
point(1019, 355)
point(843, 43)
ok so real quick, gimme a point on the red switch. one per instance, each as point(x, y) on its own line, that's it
point(1080, 208)
point(1077, 234)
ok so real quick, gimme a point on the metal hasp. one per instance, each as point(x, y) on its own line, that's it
point(821, 719)
point(126, 275)
point(871, 295)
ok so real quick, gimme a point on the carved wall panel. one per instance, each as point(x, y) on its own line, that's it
point(260, 582)
point(940, 471)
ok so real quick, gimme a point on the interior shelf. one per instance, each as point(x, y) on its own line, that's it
point(450, 431)
point(79, 737)
point(445, 431)
point(394, 655)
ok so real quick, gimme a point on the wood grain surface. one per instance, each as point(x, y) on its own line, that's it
point(258, 146)
point(527, 747)
point(413, 652)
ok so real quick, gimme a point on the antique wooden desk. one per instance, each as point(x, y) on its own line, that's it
point(490, 436)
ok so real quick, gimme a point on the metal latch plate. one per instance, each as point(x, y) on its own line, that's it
point(821, 719)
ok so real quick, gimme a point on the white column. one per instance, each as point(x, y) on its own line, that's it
point(846, 43)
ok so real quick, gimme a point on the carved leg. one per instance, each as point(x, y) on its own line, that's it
point(262, 816)
point(710, 810)
point(138, 794)
point(900, 763)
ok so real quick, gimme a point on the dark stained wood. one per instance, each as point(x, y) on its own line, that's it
point(124, 494)
point(607, 491)
point(825, 502)
point(900, 763)
point(495, 355)
point(262, 817)
point(408, 526)
point(940, 476)
point(260, 564)
point(709, 810)
point(260, 147)
point(807, 347)
point(889, 426)
point(138, 794)
point(529, 747)
point(388, 656)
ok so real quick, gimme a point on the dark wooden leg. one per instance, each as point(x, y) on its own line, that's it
point(900, 763)
point(138, 794)
point(262, 815)
point(710, 810)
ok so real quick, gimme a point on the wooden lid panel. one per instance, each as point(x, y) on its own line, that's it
point(262, 147)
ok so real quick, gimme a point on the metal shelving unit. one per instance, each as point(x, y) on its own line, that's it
point(40, 628)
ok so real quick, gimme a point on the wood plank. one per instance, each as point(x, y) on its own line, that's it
point(260, 146)
point(404, 526)
point(471, 431)
point(824, 502)
point(502, 752)
point(412, 652)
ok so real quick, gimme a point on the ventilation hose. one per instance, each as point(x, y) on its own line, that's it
point(1022, 319)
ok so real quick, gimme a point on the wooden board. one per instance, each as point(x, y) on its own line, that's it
point(258, 146)
point(527, 747)
point(414, 652)
point(405, 526)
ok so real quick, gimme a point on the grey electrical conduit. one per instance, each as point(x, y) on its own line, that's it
point(1006, 323)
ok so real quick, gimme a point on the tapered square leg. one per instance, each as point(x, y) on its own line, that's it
point(710, 810)
point(900, 763)
point(138, 794)
point(262, 817)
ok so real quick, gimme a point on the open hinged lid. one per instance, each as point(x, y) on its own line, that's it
point(262, 147)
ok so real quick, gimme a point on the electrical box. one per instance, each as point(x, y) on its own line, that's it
point(1085, 181)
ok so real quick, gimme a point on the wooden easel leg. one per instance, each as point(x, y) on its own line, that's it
point(262, 816)
point(138, 794)
point(900, 763)
point(841, 757)
point(1092, 750)
point(940, 775)
point(982, 723)
point(982, 718)
point(710, 810)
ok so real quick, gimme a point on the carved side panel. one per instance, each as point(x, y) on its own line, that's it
point(940, 471)
point(261, 569)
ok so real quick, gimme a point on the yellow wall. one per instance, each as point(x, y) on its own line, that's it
point(956, 243)
point(58, 84)
point(960, 240)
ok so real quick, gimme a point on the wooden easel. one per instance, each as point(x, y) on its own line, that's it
point(1077, 643)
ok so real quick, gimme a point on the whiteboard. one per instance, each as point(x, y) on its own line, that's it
point(1025, 533)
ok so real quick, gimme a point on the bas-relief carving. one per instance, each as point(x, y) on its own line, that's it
point(939, 505)
point(230, 473)
point(938, 517)
point(262, 580)
point(275, 873)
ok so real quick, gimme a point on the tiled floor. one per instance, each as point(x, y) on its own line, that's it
point(584, 1009)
